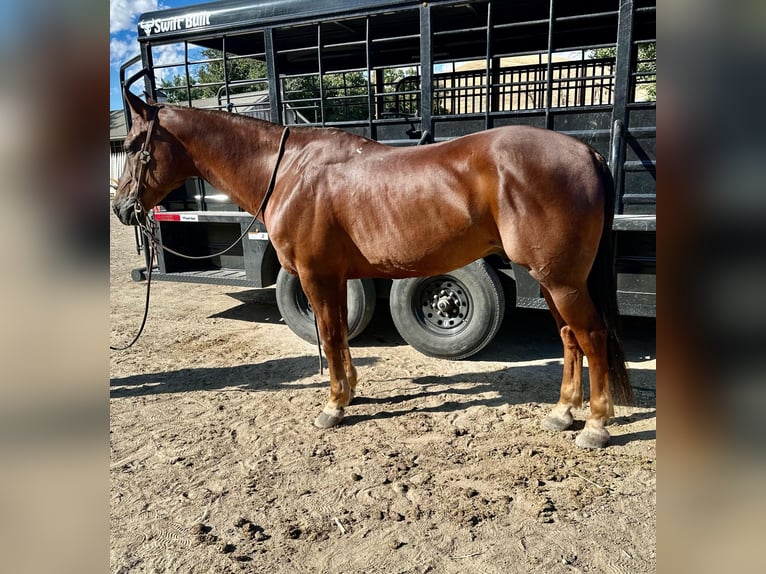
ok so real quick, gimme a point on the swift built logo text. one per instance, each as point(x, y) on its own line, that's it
point(175, 23)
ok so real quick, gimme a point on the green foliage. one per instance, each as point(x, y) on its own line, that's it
point(344, 94)
point(645, 65)
point(209, 78)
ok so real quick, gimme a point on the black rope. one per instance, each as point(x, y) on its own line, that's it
point(146, 305)
point(147, 227)
point(319, 346)
point(260, 211)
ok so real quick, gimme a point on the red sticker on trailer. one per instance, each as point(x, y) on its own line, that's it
point(176, 217)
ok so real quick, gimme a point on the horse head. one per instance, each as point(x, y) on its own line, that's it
point(155, 164)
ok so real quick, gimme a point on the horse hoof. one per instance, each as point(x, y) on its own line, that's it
point(592, 438)
point(556, 423)
point(328, 418)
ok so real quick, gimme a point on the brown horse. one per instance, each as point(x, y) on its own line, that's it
point(345, 207)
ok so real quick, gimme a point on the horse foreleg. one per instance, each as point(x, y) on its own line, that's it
point(328, 299)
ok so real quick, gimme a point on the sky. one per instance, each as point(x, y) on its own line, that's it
point(123, 19)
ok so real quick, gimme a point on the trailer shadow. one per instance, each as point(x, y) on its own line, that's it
point(531, 334)
point(257, 306)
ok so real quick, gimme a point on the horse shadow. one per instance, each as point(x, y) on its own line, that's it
point(270, 375)
point(525, 336)
point(509, 385)
point(514, 384)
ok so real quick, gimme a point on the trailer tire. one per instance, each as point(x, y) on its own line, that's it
point(298, 315)
point(450, 316)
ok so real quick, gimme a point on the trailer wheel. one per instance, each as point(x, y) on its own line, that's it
point(298, 315)
point(451, 316)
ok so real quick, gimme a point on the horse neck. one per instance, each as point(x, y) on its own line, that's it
point(235, 154)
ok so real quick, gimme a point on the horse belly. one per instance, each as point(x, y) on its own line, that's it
point(422, 248)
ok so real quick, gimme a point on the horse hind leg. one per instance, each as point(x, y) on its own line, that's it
point(579, 312)
point(560, 417)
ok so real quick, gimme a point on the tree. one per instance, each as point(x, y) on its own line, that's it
point(344, 95)
point(210, 77)
point(645, 66)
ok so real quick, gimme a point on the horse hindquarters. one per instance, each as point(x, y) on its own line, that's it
point(588, 319)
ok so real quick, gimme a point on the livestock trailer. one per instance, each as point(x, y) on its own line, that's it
point(406, 73)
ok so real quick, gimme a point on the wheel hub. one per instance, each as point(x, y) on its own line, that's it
point(444, 303)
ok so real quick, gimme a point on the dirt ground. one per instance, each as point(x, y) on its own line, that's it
point(438, 467)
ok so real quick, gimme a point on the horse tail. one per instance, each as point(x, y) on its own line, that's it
point(602, 285)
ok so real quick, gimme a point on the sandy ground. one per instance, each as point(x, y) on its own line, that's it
point(439, 466)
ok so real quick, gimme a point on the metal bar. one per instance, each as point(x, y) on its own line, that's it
point(149, 87)
point(643, 131)
point(123, 84)
point(308, 49)
point(272, 69)
point(370, 90)
point(426, 69)
point(621, 87)
point(639, 165)
point(321, 76)
point(618, 163)
point(488, 71)
point(209, 60)
point(186, 71)
point(345, 44)
point(396, 38)
point(459, 31)
point(617, 148)
point(519, 24)
point(549, 69)
point(587, 16)
point(254, 55)
point(225, 72)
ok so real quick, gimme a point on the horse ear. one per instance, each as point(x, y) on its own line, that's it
point(137, 107)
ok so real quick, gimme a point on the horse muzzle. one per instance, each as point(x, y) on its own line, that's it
point(125, 210)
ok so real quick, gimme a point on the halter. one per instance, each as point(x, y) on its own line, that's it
point(144, 157)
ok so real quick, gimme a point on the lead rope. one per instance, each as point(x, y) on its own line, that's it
point(147, 226)
point(146, 304)
point(319, 346)
point(261, 208)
